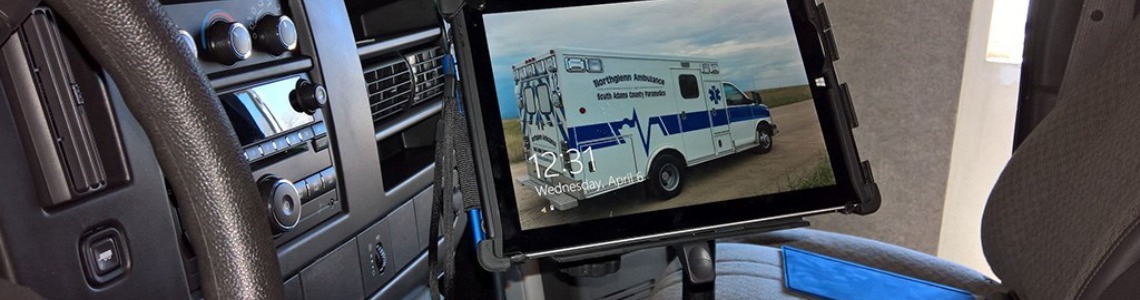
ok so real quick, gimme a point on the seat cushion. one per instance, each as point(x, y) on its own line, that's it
point(743, 271)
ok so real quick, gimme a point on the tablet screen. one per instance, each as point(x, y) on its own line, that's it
point(627, 108)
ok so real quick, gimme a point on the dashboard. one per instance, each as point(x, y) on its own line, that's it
point(334, 104)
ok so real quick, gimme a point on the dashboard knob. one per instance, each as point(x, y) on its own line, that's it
point(284, 202)
point(308, 96)
point(380, 262)
point(275, 34)
point(228, 42)
point(188, 40)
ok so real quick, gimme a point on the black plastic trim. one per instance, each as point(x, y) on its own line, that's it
point(372, 50)
point(407, 282)
point(410, 118)
point(268, 71)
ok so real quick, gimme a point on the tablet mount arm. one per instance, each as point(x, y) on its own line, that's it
point(698, 269)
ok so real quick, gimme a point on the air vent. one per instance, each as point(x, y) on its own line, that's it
point(71, 133)
point(389, 88)
point(401, 82)
point(428, 68)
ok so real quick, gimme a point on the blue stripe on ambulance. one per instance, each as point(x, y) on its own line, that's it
point(609, 133)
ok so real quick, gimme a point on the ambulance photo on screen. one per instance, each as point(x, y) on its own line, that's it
point(619, 109)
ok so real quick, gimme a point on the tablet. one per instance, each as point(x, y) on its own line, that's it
point(603, 126)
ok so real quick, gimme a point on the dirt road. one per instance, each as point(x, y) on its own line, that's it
point(798, 148)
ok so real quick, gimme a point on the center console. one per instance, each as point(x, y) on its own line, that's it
point(335, 105)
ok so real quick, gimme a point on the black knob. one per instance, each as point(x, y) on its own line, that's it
point(284, 202)
point(380, 263)
point(228, 42)
point(186, 39)
point(275, 34)
point(308, 96)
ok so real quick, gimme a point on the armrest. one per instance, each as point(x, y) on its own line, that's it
point(882, 256)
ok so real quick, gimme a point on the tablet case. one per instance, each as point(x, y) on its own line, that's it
point(831, 278)
point(866, 198)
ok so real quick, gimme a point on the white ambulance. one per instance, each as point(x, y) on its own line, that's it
point(594, 122)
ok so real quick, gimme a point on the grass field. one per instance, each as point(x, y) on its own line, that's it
point(820, 175)
point(785, 95)
point(512, 131)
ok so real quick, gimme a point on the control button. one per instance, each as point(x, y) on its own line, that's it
point(186, 39)
point(308, 97)
point(380, 260)
point(314, 185)
point(320, 144)
point(302, 189)
point(328, 179)
point(267, 149)
point(306, 134)
point(252, 153)
point(284, 203)
point(275, 34)
point(319, 129)
point(105, 255)
point(228, 42)
point(281, 143)
point(320, 182)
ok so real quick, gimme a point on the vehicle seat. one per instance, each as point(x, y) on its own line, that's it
point(1060, 222)
point(743, 271)
point(752, 268)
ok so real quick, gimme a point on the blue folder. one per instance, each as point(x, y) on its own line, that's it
point(831, 278)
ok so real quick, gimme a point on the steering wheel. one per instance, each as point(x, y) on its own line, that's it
point(221, 213)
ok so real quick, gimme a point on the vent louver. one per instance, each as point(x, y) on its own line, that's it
point(428, 68)
point(389, 88)
point(401, 82)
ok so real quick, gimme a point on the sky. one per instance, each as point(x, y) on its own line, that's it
point(753, 39)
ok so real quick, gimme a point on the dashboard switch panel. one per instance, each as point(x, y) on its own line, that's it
point(376, 265)
point(388, 246)
point(238, 36)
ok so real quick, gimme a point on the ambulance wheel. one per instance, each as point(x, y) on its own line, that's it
point(666, 176)
point(764, 139)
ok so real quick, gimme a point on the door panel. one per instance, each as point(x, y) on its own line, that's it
point(718, 113)
point(542, 126)
point(694, 113)
point(741, 113)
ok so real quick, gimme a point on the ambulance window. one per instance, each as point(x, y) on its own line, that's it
point(543, 93)
point(528, 99)
point(689, 88)
point(733, 95)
